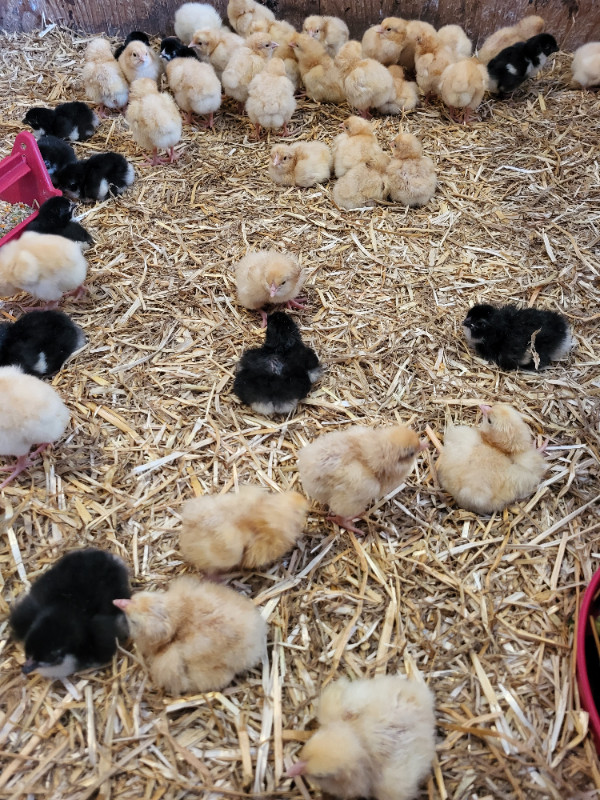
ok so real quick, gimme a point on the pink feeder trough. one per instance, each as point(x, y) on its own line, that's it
point(588, 658)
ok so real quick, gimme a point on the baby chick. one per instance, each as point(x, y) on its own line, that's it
point(384, 42)
point(414, 28)
point(513, 337)
point(406, 93)
point(271, 100)
point(196, 636)
point(138, 60)
point(216, 45)
point(300, 164)
point(247, 17)
point(522, 60)
point(455, 39)
point(192, 17)
point(348, 469)
point(486, 469)
point(74, 121)
point(267, 277)
point(367, 83)
point(586, 65)
point(282, 34)
point(245, 63)
point(134, 36)
point(39, 343)
point(411, 175)
point(32, 413)
point(67, 620)
point(56, 154)
point(104, 81)
point(96, 177)
point(272, 379)
point(154, 120)
point(195, 85)
point(363, 185)
point(355, 145)
point(505, 37)
point(331, 32)
point(249, 529)
point(431, 59)
point(376, 739)
point(462, 87)
point(321, 78)
point(56, 216)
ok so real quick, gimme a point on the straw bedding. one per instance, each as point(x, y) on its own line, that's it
point(484, 608)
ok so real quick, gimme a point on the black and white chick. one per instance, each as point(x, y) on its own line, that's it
point(56, 216)
point(514, 64)
point(134, 36)
point(513, 337)
point(56, 153)
point(272, 379)
point(74, 121)
point(96, 177)
point(39, 342)
point(172, 47)
point(67, 621)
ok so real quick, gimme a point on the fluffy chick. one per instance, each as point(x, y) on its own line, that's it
point(354, 145)
point(56, 154)
point(96, 177)
point(586, 65)
point(39, 343)
point(248, 529)
point(321, 78)
point(247, 17)
point(414, 28)
point(74, 121)
point(331, 32)
point(385, 42)
point(455, 39)
point(271, 102)
point(411, 175)
point(505, 37)
point(363, 185)
point(348, 469)
point(486, 469)
point(191, 17)
point(67, 620)
point(138, 60)
point(282, 34)
point(56, 216)
point(268, 277)
point(104, 81)
point(376, 739)
point(300, 164)
point(216, 45)
point(134, 36)
point(462, 87)
point(196, 636)
point(245, 63)
point(406, 93)
point(194, 84)
point(32, 413)
point(431, 59)
point(522, 60)
point(367, 83)
point(154, 119)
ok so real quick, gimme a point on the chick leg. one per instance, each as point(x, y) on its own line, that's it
point(187, 118)
point(263, 315)
point(173, 156)
point(77, 293)
point(101, 111)
point(23, 463)
point(155, 160)
point(346, 523)
point(365, 113)
point(209, 122)
point(257, 132)
point(285, 130)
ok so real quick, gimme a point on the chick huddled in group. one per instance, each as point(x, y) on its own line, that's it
point(586, 65)
point(216, 45)
point(191, 17)
point(456, 40)
point(355, 145)
point(384, 42)
point(56, 154)
point(268, 277)
point(271, 102)
point(39, 343)
point(522, 60)
point(431, 59)
point(376, 738)
point(196, 636)
point(364, 185)
point(367, 83)
point(321, 78)
point(248, 529)
point(246, 62)
point(486, 469)
point(104, 81)
point(411, 175)
point(96, 177)
point(74, 121)
point(56, 216)
point(194, 84)
point(331, 32)
point(300, 164)
point(406, 93)
point(154, 120)
point(505, 37)
point(462, 87)
point(138, 60)
point(247, 17)
point(348, 469)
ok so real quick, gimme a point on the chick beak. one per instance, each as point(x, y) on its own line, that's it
point(29, 666)
point(122, 604)
point(296, 769)
point(273, 290)
point(485, 410)
point(274, 46)
point(379, 30)
point(276, 160)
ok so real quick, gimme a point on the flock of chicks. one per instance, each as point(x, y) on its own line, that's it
point(376, 736)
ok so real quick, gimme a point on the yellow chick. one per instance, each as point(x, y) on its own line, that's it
point(248, 529)
point(195, 637)
point(348, 469)
point(486, 469)
point(586, 65)
point(367, 83)
point(268, 277)
point(271, 102)
point(103, 79)
point(411, 175)
point(42, 264)
point(431, 59)
point(331, 32)
point(282, 34)
point(321, 78)
point(462, 87)
point(216, 46)
point(376, 739)
point(363, 185)
point(139, 61)
point(300, 164)
point(245, 63)
point(355, 145)
point(154, 120)
point(505, 37)
point(385, 42)
point(191, 17)
point(414, 27)
point(32, 412)
point(194, 84)
point(247, 17)
point(455, 39)
point(406, 93)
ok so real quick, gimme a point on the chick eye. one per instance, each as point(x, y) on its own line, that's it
point(389, 30)
point(282, 282)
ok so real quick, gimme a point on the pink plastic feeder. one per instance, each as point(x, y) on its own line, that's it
point(24, 179)
point(588, 660)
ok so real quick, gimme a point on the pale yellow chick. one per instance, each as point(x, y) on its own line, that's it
point(249, 529)
point(268, 277)
point(247, 17)
point(364, 185)
point(586, 65)
point(385, 42)
point(139, 61)
point(102, 77)
point(154, 119)
point(196, 88)
point(355, 145)
point(376, 739)
point(462, 87)
point(414, 28)
point(271, 102)
point(411, 175)
point(367, 83)
point(191, 17)
point(350, 468)
point(245, 63)
point(300, 164)
point(321, 78)
point(506, 37)
point(455, 39)
point(216, 45)
point(196, 636)
point(332, 32)
point(282, 34)
point(406, 93)
point(431, 59)
point(486, 469)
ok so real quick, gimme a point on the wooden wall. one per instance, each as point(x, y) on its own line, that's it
point(573, 22)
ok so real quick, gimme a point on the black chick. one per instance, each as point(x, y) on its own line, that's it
point(273, 378)
point(504, 335)
point(67, 620)
point(56, 216)
point(56, 153)
point(75, 121)
point(96, 177)
point(514, 64)
point(172, 47)
point(134, 36)
point(39, 342)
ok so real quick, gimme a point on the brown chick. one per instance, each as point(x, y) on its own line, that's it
point(331, 32)
point(139, 61)
point(247, 17)
point(355, 145)
point(363, 185)
point(462, 87)
point(431, 59)
point(195, 87)
point(248, 529)
point(348, 469)
point(216, 45)
point(271, 102)
point(300, 164)
point(367, 83)
point(45, 265)
point(505, 37)
point(376, 739)
point(196, 636)
point(455, 39)
point(414, 27)
point(321, 78)
point(103, 79)
point(245, 63)
point(154, 119)
point(486, 469)
point(385, 42)
point(268, 277)
point(586, 65)
point(406, 93)
point(411, 175)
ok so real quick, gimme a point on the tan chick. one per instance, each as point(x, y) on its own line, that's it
point(411, 175)
point(44, 265)
point(282, 34)
point(268, 277)
point(191, 17)
point(194, 84)
point(431, 59)
point(103, 78)
point(462, 87)
point(331, 32)
point(300, 164)
point(244, 64)
point(367, 83)
point(321, 78)
point(271, 102)
point(486, 469)
point(505, 37)
point(195, 637)
point(376, 738)
point(355, 145)
point(364, 185)
point(414, 28)
point(350, 468)
point(139, 61)
point(216, 46)
point(406, 93)
point(154, 120)
point(247, 17)
point(249, 529)
point(385, 42)
point(586, 65)
point(455, 39)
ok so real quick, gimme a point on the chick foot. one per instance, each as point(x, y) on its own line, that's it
point(263, 315)
point(23, 463)
point(77, 293)
point(156, 159)
point(365, 114)
point(299, 302)
point(346, 523)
